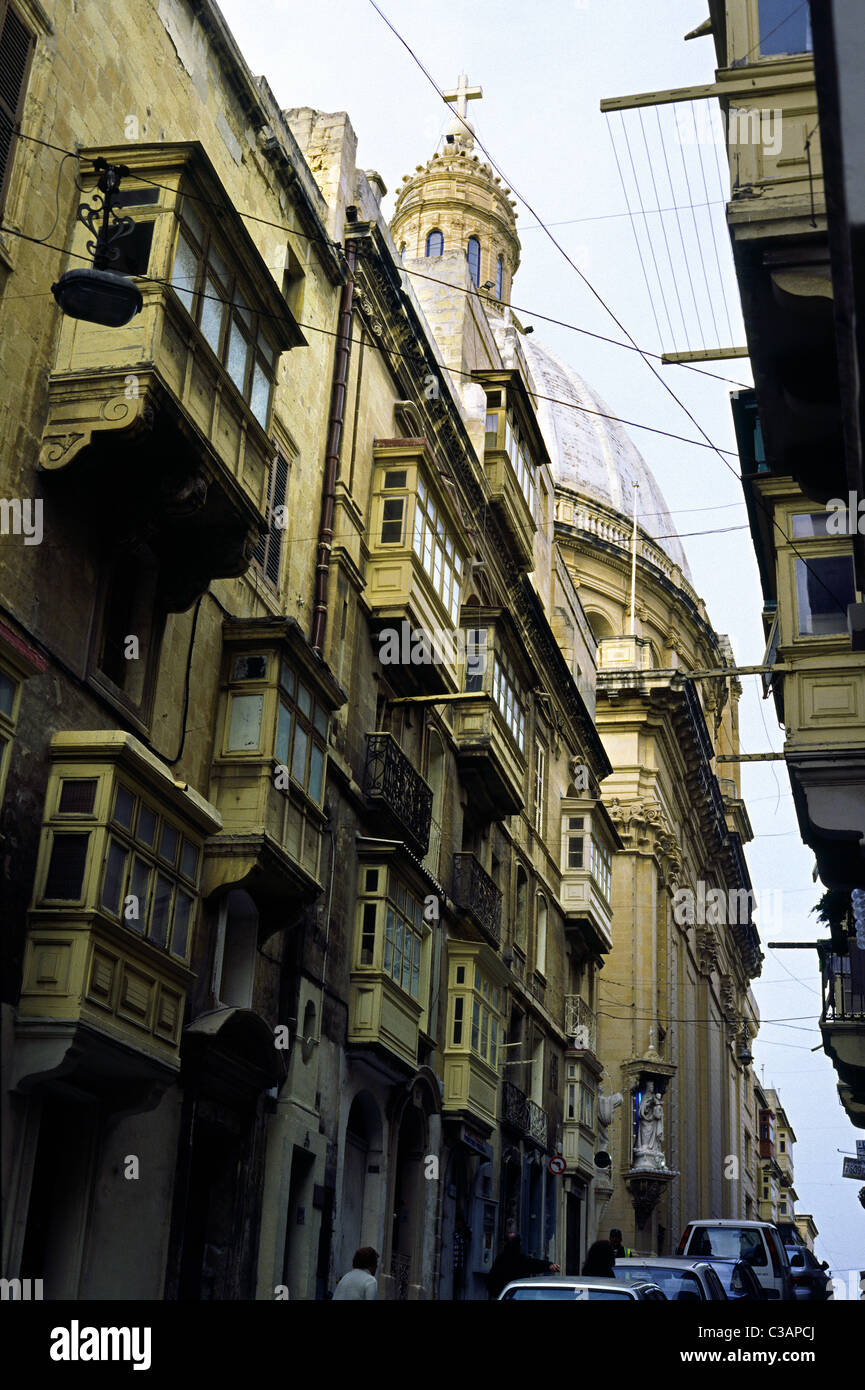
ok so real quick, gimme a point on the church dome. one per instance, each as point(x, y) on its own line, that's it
point(594, 456)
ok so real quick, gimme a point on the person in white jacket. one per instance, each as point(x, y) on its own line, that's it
point(360, 1281)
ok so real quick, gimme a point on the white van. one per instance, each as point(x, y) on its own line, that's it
point(758, 1242)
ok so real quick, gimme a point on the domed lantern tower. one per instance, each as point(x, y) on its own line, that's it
point(457, 203)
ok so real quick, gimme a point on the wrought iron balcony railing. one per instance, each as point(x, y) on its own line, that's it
point(393, 785)
point(844, 985)
point(523, 1114)
point(580, 1023)
point(477, 894)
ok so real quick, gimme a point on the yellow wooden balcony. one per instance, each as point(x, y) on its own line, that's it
point(170, 414)
point(115, 906)
point(418, 549)
point(508, 498)
point(381, 1014)
point(269, 768)
point(473, 1056)
point(491, 765)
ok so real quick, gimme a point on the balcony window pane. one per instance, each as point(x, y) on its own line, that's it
point(115, 872)
point(260, 398)
point(320, 721)
point(415, 968)
point(367, 936)
point(304, 700)
point(238, 356)
point(182, 918)
point(283, 734)
point(136, 909)
point(191, 218)
point(146, 832)
point(244, 732)
point(189, 860)
point(388, 940)
point(168, 843)
point(476, 1018)
point(458, 1021)
point(266, 349)
point(77, 797)
point(161, 914)
point(124, 807)
point(185, 271)
point(316, 771)
point(785, 27)
point(7, 693)
point(391, 524)
point(824, 588)
point(494, 1032)
point(66, 869)
point(298, 762)
point(212, 314)
point(810, 524)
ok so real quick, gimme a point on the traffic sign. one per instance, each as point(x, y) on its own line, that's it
point(557, 1165)
point(853, 1168)
point(860, 1148)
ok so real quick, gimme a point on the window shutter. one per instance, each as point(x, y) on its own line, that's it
point(16, 46)
point(278, 496)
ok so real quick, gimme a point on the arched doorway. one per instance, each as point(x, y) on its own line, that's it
point(408, 1201)
point(359, 1209)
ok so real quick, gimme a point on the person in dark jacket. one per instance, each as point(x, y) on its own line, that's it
point(600, 1260)
point(511, 1263)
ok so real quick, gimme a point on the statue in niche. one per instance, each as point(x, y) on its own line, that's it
point(649, 1150)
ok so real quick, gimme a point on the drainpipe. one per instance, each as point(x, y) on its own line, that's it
point(331, 462)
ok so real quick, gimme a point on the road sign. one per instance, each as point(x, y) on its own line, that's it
point(860, 1148)
point(853, 1168)
point(557, 1165)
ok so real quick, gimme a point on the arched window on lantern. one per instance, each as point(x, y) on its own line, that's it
point(435, 243)
point(473, 255)
point(500, 276)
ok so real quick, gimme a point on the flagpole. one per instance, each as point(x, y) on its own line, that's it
point(633, 623)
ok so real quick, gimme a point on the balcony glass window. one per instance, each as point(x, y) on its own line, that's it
point(392, 932)
point(434, 547)
point(475, 1015)
point(301, 734)
point(601, 866)
point(575, 842)
point(476, 658)
point(506, 694)
point(540, 788)
point(212, 294)
point(824, 587)
point(785, 27)
point(521, 460)
point(587, 1105)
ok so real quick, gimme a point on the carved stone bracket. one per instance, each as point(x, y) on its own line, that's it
point(707, 950)
point(645, 1192)
point(645, 825)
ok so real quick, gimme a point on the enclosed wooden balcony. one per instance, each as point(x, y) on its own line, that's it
point(110, 933)
point(514, 450)
point(166, 419)
point(397, 794)
point(842, 1023)
point(491, 766)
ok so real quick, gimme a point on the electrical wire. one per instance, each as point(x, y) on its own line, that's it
point(702, 164)
point(685, 260)
point(599, 297)
point(648, 234)
point(389, 352)
point(699, 239)
point(673, 275)
point(414, 274)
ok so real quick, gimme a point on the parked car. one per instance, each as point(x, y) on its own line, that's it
point(757, 1242)
point(738, 1278)
point(812, 1280)
point(680, 1278)
point(579, 1288)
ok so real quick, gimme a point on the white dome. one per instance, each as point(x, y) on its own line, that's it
point(594, 456)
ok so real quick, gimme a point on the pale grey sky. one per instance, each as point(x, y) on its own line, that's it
point(544, 68)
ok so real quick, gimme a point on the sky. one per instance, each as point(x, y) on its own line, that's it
point(544, 69)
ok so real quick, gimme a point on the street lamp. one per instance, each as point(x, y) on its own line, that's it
point(100, 295)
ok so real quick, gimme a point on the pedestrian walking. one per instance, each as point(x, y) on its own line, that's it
point(512, 1263)
point(600, 1260)
point(360, 1282)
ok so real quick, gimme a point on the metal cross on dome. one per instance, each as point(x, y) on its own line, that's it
point(462, 94)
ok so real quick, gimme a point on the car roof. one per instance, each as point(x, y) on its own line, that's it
point(582, 1281)
point(731, 1221)
point(663, 1261)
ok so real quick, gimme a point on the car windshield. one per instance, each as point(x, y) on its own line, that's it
point(730, 1242)
point(545, 1291)
point(676, 1283)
